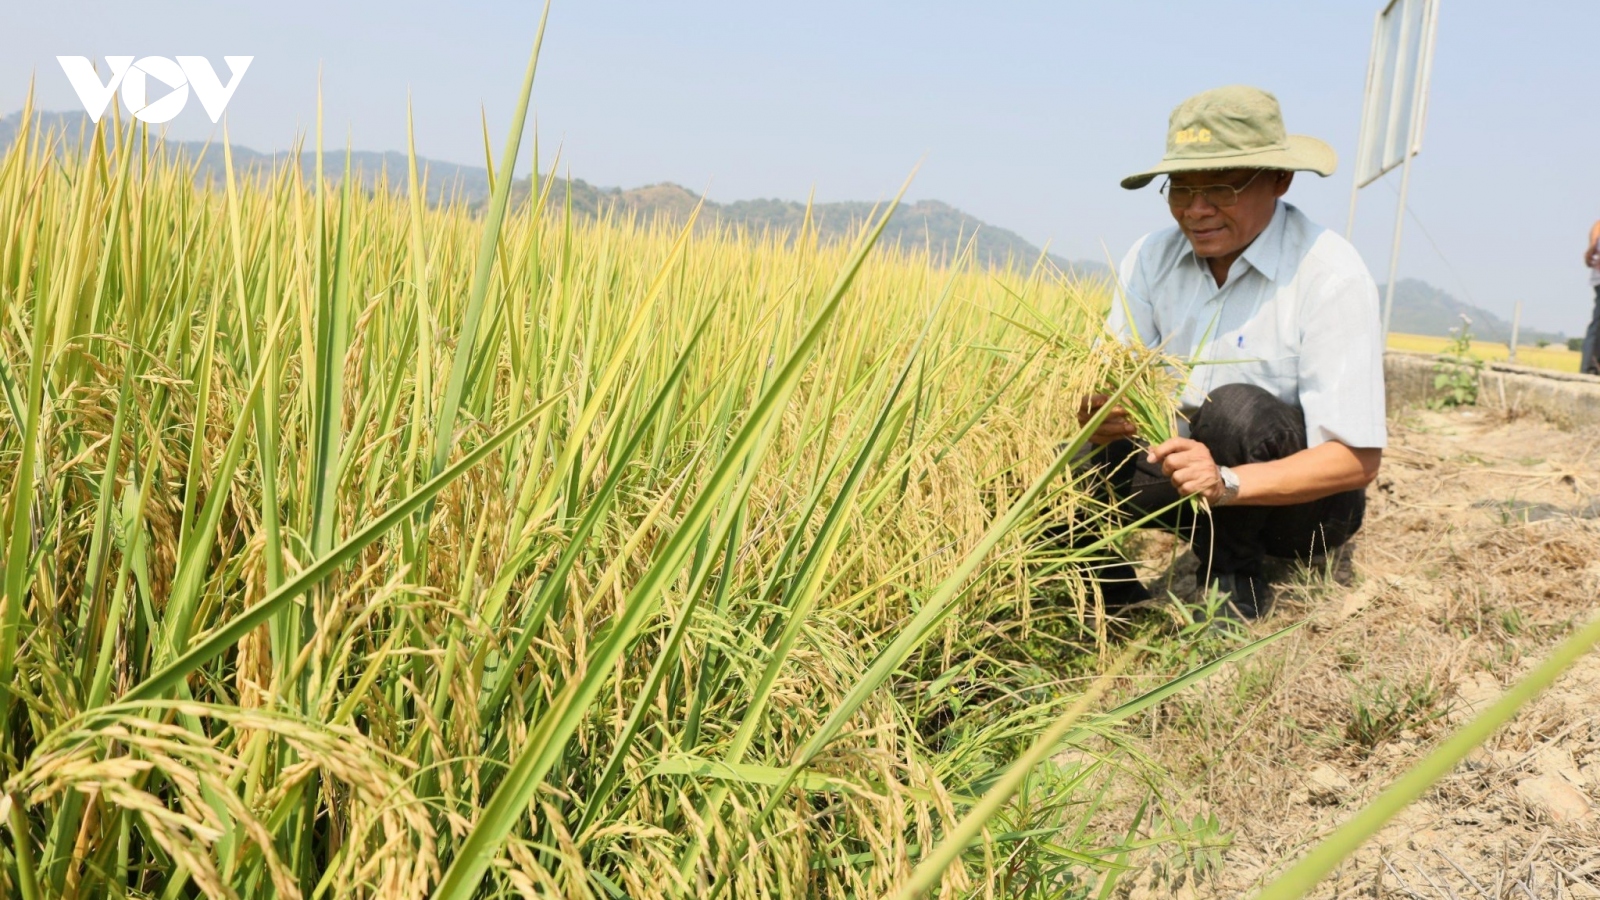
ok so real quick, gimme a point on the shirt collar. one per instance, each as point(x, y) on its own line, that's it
point(1263, 254)
point(1266, 251)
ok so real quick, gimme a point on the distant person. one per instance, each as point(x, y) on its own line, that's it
point(1285, 410)
point(1589, 362)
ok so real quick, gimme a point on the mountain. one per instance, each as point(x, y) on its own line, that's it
point(942, 228)
point(446, 180)
point(1421, 308)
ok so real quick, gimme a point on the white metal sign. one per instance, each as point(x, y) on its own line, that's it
point(1393, 111)
point(1395, 107)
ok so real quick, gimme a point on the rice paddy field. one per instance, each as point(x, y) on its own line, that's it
point(356, 547)
point(1555, 358)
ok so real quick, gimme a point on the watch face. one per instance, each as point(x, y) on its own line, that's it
point(1230, 484)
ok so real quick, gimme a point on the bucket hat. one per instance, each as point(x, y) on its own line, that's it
point(1234, 127)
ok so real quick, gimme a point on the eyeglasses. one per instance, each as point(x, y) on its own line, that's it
point(1221, 196)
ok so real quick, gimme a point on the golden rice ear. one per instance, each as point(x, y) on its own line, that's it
point(362, 543)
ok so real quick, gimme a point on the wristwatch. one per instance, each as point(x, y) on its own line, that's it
point(1230, 486)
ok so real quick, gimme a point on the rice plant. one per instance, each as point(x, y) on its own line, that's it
point(358, 547)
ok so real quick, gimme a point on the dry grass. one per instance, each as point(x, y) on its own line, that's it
point(1458, 594)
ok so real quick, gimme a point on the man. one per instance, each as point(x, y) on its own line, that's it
point(1589, 362)
point(1284, 401)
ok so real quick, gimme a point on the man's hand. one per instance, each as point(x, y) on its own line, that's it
point(1190, 466)
point(1114, 427)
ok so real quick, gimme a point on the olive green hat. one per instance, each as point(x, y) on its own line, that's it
point(1234, 127)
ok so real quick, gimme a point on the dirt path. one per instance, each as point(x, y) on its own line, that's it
point(1481, 550)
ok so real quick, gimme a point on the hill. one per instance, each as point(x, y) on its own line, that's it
point(1421, 308)
point(447, 180)
point(942, 228)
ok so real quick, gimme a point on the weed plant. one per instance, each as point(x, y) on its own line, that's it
point(1456, 374)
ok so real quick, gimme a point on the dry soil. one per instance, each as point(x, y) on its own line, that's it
point(1481, 549)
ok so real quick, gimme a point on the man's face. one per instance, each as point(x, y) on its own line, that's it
point(1224, 231)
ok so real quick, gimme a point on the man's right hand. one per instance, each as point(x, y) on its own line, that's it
point(1114, 427)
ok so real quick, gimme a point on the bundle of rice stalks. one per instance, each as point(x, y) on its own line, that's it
point(1149, 379)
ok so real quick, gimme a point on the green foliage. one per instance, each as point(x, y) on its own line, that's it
point(1455, 375)
point(1382, 712)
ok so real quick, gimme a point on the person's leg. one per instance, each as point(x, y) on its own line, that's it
point(1590, 360)
point(1131, 489)
point(1239, 424)
point(1307, 530)
point(1243, 424)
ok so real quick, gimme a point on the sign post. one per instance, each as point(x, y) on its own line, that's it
point(1516, 328)
point(1394, 111)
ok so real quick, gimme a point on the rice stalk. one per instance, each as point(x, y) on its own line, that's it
point(359, 546)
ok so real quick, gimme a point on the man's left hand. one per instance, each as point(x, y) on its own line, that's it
point(1190, 466)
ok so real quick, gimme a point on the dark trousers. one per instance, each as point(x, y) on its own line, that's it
point(1239, 424)
point(1590, 362)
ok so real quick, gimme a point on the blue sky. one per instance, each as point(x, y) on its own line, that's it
point(1024, 114)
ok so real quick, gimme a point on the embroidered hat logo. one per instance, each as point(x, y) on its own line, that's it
point(132, 77)
point(1193, 136)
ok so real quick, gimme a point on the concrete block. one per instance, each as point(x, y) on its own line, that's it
point(1565, 399)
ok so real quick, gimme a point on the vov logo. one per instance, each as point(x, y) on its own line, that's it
point(133, 78)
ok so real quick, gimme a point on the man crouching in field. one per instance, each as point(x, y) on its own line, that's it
point(1285, 403)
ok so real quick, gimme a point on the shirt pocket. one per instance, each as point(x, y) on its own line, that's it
point(1277, 375)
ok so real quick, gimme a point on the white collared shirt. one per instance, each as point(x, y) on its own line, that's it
point(1297, 316)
